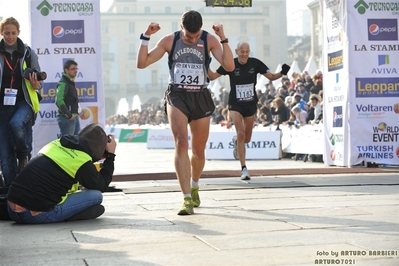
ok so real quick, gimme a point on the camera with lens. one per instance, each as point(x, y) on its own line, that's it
point(40, 75)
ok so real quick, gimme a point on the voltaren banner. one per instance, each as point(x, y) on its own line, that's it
point(63, 30)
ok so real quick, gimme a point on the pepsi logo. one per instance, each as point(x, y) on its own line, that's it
point(374, 29)
point(382, 29)
point(58, 32)
point(336, 116)
point(67, 31)
point(333, 156)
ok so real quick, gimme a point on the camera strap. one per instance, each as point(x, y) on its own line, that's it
point(12, 69)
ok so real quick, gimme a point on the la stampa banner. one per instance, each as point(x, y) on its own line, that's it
point(63, 30)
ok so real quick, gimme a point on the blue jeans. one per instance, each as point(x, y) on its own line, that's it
point(7, 153)
point(18, 123)
point(67, 126)
point(75, 203)
point(29, 137)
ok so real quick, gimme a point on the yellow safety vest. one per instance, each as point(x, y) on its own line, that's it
point(34, 99)
point(67, 159)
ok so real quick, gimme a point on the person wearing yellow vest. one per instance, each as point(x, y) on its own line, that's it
point(19, 100)
point(47, 189)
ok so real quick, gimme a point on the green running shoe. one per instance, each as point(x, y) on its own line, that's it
point(195, 197)
point(187, 207)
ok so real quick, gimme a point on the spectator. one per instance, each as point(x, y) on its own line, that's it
point(265, 117)
point(280, 111)
point(67, 100)
point(315, 104)
point(288, 100)
point(310, 111)
point(282, 92)
point(294, 77)
point(19, 102)
point(224, 97)
point(300, 115)
point(303, 91)
point(308, 83)
point(298, 100)
point(271, 90)
point(317, 87)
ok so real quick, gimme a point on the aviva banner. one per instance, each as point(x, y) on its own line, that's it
point(361, 88)
point(63, 30)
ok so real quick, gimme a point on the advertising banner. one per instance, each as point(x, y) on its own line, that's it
point(304, 140)
point(161, 139)
point(63, 30)
point(263, 145)
point(133, 135)
point(336, 85)
point(361, 82)
point(374, 81)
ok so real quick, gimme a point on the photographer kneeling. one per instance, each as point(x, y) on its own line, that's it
point(47, 189)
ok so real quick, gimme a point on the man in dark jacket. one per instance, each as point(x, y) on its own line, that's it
point(47, 189)
point(67, 100)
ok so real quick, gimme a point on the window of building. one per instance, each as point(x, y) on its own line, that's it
point(104, 27)
point(105, 48)
point(154, 77)
point(131, 78)
point(243, 27)
point(131, 27)
point(168, 9)
point(175, 26)
point(266, 10)
point(266, 30)
point(132, 53)
point(105, 78)
point(147, 9)
point(266, 50)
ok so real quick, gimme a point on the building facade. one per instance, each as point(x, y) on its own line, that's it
point(316, 46)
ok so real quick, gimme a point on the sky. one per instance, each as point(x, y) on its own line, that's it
point(8, 8)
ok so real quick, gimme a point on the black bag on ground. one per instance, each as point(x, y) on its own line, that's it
point(3, 204)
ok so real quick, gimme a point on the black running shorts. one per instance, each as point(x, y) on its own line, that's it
point(194, 105)
point(245, 110)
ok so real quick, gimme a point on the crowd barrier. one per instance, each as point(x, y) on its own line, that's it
point(264, 144)
point(308, 139)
